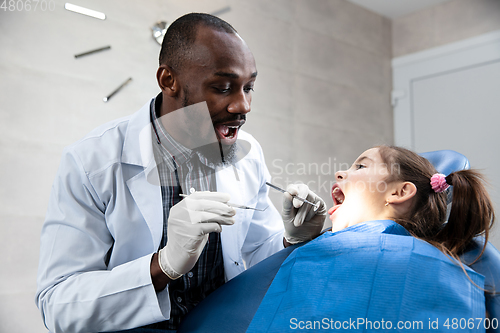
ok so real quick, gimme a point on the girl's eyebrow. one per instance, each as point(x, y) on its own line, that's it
point(362, 158)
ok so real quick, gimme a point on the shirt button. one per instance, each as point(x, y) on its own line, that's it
point(236, 263)
point(179, 299)
point(190, 274)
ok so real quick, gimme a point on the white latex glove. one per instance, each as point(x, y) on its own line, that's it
point(301, 222)
point(189, 223)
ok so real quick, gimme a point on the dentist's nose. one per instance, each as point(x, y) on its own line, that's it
point(241, 103)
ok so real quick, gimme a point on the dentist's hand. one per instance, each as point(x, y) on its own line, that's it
point(189, 223)
point(301, 222)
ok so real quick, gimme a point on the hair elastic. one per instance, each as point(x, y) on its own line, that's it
point(438, 183)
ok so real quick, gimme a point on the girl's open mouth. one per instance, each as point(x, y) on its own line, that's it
point(338, 198)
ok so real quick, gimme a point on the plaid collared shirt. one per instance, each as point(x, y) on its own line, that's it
point(181, 169)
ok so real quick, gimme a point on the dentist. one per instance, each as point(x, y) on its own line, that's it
point(122, 248)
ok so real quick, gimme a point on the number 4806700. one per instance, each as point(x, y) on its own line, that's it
point(27, 5)
point(471, 323)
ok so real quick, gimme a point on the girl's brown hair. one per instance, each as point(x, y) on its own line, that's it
point(471, 208)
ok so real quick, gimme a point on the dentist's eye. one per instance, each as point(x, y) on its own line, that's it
point(248, 89)
point(223, 90)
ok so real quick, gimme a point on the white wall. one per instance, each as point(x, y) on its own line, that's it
point(322, 96)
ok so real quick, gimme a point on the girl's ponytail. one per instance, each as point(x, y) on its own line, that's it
point(471, 211)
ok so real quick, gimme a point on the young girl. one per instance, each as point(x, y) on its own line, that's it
point(397, 184)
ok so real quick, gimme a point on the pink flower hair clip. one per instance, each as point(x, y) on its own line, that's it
point(438, 182)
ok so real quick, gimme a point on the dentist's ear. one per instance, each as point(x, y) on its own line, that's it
point(167, 81)
point(403, 194)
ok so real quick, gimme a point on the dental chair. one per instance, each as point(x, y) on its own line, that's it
point(233, 306)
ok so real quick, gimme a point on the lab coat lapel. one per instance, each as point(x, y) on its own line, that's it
point(145, 185)
point(147, 196)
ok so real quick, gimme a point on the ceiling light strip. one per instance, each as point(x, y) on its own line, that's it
point(84, 11)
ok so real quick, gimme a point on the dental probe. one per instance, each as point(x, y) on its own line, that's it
point(315, 205)
point(233, 204)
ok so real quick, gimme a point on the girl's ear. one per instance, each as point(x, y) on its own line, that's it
point(403, 193)
point(167, 80)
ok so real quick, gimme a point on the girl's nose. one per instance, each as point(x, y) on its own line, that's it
point(340, 175)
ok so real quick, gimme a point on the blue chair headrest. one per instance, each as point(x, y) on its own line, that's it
point(447, 161)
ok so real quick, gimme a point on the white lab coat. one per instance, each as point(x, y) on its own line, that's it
point(105, 220)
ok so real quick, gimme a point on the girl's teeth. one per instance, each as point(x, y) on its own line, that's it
point(336, 193)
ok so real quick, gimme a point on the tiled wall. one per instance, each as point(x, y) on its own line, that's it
point(449, 22)
point(322, 97)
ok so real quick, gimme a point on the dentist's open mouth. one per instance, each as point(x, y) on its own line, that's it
point(228, 132)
